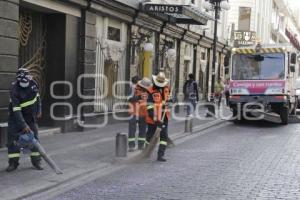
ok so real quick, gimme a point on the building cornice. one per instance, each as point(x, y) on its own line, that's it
point(191, 37)
point(153, 22)
point(147, 22)
point(113, 9)
point(173, 31)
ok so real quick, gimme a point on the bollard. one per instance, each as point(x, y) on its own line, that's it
point(211, 108)
point(3, 135)
point(121, 145)
point(188, 128)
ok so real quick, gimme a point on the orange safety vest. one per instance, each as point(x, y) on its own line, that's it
point(157, 104)
point(139, 108)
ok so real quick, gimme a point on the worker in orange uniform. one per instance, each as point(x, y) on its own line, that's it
point(158, 112)
point(138, 111)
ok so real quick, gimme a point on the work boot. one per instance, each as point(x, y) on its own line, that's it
point(37, 165)
point(161, 159)
point(141, 146)
point(131, 149)
point(12, 166)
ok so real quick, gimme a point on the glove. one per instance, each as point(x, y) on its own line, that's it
point(39, 115)
point(158, 124)
point(26, 129)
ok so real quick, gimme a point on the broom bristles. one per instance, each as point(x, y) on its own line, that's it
point(146, 153)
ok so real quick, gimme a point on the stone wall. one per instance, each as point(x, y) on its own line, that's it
point(88, 54)
point(9, 50)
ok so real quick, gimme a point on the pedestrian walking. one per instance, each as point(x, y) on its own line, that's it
point(158, 112)
point(24, 109)
point(191, 96)
point(138, 112)
point(219, 87)
point(226, 91)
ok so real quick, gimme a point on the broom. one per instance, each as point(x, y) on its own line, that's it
point(146, 153)
point(170, 143)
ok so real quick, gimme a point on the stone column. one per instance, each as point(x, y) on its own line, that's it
point(88, 55)
point(9, 51)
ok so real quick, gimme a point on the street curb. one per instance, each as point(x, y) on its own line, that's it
point(197, 129)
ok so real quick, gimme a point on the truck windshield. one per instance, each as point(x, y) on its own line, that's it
point(269, 66)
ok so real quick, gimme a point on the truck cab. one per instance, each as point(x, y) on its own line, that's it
point(263, 77)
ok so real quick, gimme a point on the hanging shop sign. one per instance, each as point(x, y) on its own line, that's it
point(177, 14)
point(244, 38)
point(163, 8)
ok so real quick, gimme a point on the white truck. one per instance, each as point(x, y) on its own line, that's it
point(263, 77)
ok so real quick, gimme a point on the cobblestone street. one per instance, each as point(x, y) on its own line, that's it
point(245, 161)
point(149, 99)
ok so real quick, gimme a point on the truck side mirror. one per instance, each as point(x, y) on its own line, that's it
point(293, 59)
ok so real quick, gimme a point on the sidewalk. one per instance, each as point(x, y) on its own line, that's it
point(76, 153)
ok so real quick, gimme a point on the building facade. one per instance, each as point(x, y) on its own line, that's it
point(196, 57)
point(84, 53)
point(273, 21)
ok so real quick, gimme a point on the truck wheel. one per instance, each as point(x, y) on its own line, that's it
point(234, 115)
point(284, 115)
point(295, 106)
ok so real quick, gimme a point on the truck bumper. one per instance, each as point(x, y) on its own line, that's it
point(265, 100)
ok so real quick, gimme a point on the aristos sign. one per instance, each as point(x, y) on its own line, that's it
point(163, 8)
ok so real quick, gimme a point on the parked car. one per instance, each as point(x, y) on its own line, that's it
point(298, 92)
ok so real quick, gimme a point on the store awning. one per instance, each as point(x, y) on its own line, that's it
point(179, 14)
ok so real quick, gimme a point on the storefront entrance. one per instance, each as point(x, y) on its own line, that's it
point(49, 48)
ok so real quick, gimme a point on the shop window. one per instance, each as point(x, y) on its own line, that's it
point(113, 34)
point(186, 69)
point(201, 80)
point(244, 18)
point(203, 56)
point(187, 50)
point(274, 37)
point(32, 48)
point(110, 71)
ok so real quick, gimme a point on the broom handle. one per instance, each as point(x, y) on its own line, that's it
point(163, 117)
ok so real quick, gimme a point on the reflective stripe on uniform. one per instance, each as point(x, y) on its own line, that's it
point(131, 139)
point(16, 109)
point(28, 103)
point(150, 107)
point(141, 139)
point(35, 154)
point(163, 143)
point(14, 155)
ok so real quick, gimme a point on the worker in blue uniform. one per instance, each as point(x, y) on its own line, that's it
point(24, 109)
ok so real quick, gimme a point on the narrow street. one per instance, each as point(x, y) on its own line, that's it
point(90, 84)
point(255, 160)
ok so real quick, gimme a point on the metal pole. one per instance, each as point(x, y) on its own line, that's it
point(188, 126)
point(217, 11)
point(177, 75)
point(121, 145)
